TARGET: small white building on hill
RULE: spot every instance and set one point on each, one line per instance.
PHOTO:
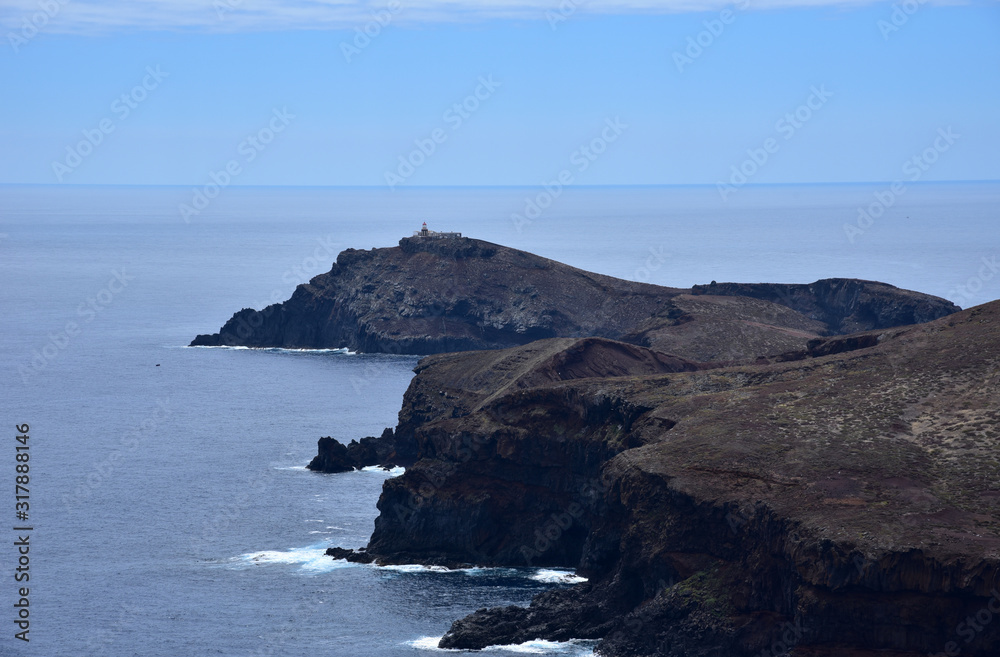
(430, 234)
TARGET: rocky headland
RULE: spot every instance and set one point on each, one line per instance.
(739, 470)
(429, 296)
(840, 501)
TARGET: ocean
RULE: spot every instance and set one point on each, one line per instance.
(170, 510)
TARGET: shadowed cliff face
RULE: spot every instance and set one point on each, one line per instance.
(844, 305)
(441, 295)
(836, 504)
(498, 438)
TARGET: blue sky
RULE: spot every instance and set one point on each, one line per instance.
(335, 111)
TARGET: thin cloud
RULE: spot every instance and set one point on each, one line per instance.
(92, 16)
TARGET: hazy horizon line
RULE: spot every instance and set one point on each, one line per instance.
(508, 186)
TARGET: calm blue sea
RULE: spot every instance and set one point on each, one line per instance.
(171, 511)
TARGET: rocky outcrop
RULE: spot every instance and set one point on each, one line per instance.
(845, 305)
(354, 556)
(429, 296)
(439, 295)
(463, 410)
(842, 503)
(333, 456)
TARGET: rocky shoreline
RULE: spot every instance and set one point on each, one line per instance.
(843, 504)
(740, 470)
(460, 294)
(332, 457)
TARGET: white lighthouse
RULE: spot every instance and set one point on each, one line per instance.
(430, 234)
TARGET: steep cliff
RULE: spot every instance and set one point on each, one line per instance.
(844, 305)
(429, 296)
(461, 410)
(841, 502)
(439, 295)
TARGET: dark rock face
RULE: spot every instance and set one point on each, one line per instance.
(558, 615)
(550, 457)
(334, 457)
(845, 305)
(354, 556)
(434, 296)
(843, 503)
(739, 469)
(445, 295)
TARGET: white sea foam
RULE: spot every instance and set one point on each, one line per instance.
(541, 647)
(479, 570)
(557, 577)
(536, 647)
(425, 643)
(312, 558)
(395, 472)
(418, 568)
(546, 576)
(343, 351)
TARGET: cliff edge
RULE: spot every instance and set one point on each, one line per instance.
(430, 296)
(844, 502)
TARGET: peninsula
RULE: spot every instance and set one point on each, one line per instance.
(842, 502)
(738, 469)
(442, 294)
